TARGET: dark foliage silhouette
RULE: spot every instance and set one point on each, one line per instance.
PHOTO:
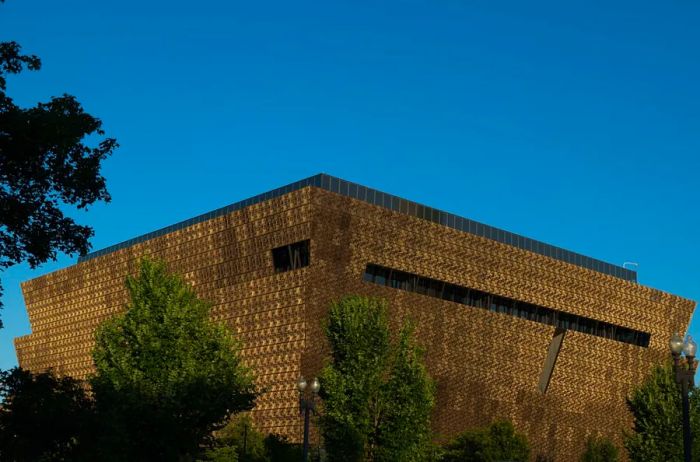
(45, 164)
(44, 418)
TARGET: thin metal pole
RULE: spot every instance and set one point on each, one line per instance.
(306, 432)
(687, 443)
(245, 439)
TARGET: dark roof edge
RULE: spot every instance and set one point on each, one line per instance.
(389, 201)
(311, 181)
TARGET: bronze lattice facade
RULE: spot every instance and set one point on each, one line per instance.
(555, 346)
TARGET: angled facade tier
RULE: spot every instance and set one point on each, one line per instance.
(512, 327)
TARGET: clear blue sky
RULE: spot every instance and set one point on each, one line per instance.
(575, 123)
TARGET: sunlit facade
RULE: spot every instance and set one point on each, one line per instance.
(512, 327)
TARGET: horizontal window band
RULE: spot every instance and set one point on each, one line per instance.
(410, 282)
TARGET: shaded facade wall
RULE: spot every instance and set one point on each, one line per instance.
(487, 365)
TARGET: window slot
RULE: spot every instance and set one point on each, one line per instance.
(292, 256)
(466, 296)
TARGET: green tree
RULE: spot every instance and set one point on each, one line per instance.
(166, 376)
(43, 418)
(239, 442)
(657, 434)
(599, 449)
(279, 449)
(44, 166)
(498, 442)
(377, 395)
(240, 434)
(220, 454)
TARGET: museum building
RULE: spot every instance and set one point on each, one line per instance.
(512, 327)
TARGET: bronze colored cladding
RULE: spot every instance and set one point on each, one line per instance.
(487, 365)
(228, 261)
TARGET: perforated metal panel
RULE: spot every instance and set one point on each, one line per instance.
(487, 364)
(397, 204)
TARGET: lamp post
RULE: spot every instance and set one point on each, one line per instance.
(307, 404)
(684, 371)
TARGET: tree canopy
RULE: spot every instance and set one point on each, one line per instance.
(166, 376)
(240, 433)
(44, 418)
(377, 395)
(240, 441)
(656, 409)
(45, 164)
(498, 442)
(600, 449)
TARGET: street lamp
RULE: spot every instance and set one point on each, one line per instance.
(684, 370)
(307, 404)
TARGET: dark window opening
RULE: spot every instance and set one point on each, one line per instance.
(526, 311)
(400, 280)
(643, 338)
(294, 256)
(454, 293)
(422, 286)
(607, 330)
(382, 276)
(627, 335)
(587, 326)
(568, 321)
(501, 305)
(466, 296)
(477, 298)
(546, 316)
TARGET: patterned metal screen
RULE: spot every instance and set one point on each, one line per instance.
(372, 196)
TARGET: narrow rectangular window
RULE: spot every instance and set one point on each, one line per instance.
(448, 292)
(546, 316)
(466, 296)
(567, 321)
(460, 295)
(422, 286)
(478, 299)
(501, 304)
(606, 330)
(643, 339)
(626, 335)
(587, 326)
(526, 311)
(291, 256)
(399, 280)
(369, 273)
(381, 277)
(435, 288)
